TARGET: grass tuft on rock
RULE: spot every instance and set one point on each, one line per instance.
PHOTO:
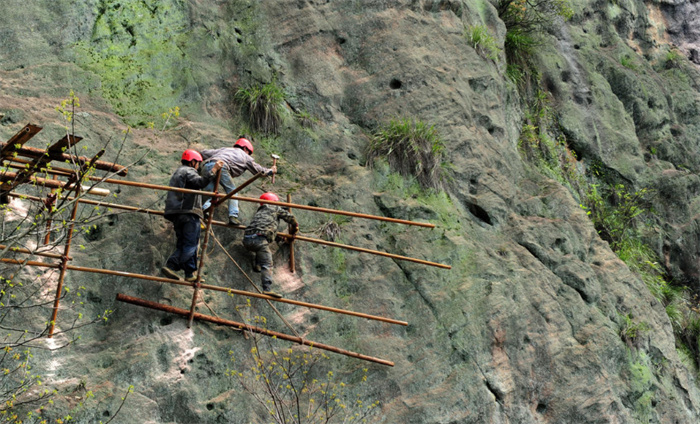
(412, 148)
(263, 104)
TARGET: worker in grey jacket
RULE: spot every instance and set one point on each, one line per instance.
(237, 160)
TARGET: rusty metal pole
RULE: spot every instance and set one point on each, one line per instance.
(203, 286)
(221, 200)
(198, 283)
(29, 252)
(364, 250)
(291, 241)
(49, 203)
(242, 326)
(64, 264)
(335, 211)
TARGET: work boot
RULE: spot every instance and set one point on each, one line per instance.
(233, 220)
(169, 273)
(192, 278)
(270, 293)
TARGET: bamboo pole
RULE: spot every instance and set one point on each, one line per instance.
(33, 152)
(22, 136)
(206, 287)
(245, 327)
(240, 227)
(198, 282)
(364, 250)
(291, 242)
(27, 262)
(29, 252)
(64, 265)
(9, 176)
(66, 172)
(335, 211)
(283, 204)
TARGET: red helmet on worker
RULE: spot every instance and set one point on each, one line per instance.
(244, 143)
(270, 196)
(189, 155)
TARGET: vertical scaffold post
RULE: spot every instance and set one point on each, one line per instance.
(64, 264)
(49, 204)
(198, 282)
(291, 241)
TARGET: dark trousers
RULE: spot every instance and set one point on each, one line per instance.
(185, 255)
(263, 257)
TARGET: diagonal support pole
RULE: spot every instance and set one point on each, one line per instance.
(198, 283)
(217, 202)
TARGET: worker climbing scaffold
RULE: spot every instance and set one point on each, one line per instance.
(184, 210)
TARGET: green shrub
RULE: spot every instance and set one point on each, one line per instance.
(616, 211)
(483, 42)
(532, 15)
(628, 62)
(630, 331)
(264, 105)
(412, 148)
(673, 59)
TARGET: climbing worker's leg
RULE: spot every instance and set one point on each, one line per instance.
(190, 243)
(227, 183)
(263, 257)
(206, 168)
(173, 263)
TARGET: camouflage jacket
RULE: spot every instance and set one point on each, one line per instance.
(266, 219)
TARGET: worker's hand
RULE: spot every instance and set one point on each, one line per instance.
(294, 229)
(218, 165)
(274, 169)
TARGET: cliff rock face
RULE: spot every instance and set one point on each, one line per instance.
(525, 327)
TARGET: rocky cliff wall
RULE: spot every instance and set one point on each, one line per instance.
(526, 325)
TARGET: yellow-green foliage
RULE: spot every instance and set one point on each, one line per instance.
(482, 41)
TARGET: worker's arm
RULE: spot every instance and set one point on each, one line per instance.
(289, 219)
(196, 181)
(255, 168)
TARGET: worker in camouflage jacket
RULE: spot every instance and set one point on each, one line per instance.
(261, 231)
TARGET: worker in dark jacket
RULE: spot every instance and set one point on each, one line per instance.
(237, 160)
(184, 210)
(261, 232)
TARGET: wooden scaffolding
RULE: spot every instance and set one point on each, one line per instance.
(71, 181)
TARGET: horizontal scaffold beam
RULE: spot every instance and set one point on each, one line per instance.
(255, 200)
(245, 327)
(32, 252)
(33, 152)
(241, 227)
(203, 286)
(8, 177)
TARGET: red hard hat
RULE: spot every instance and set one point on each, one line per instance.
(245, 143)
(270, 196)
(190, 154)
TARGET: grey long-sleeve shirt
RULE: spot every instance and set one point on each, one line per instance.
(236, 161)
